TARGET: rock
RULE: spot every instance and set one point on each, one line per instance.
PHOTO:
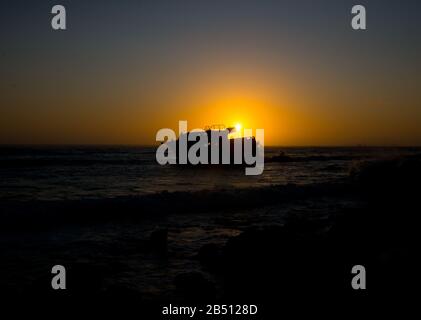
(281, 157)
(284, 259)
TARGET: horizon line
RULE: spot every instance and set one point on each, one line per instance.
(155, 145)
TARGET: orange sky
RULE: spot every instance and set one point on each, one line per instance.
(293, 75)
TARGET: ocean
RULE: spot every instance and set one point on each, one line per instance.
(124, 226)
(98, 172)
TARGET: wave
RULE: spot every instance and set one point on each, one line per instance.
(44, 214)
(397, 179)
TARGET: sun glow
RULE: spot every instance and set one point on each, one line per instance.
(236, 131)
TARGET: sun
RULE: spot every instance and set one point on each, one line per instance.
(235, 131)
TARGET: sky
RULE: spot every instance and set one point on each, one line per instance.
(125, 69)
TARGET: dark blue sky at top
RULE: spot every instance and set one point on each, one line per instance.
(118, 26)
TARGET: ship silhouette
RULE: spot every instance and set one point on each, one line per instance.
(226, 136)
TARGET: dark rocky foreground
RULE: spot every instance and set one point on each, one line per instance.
(306, 256)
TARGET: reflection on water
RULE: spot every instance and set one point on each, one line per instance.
(98, 172)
